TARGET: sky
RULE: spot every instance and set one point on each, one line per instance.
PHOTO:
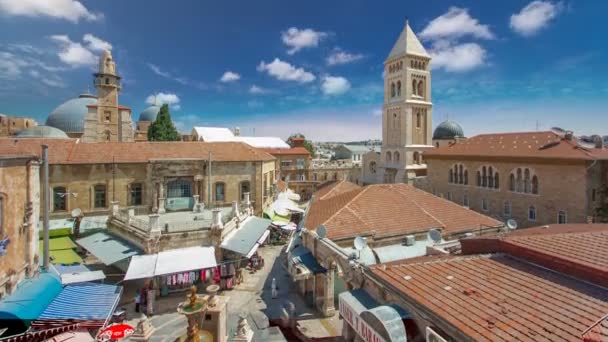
(276, 67)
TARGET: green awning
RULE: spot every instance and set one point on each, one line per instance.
(65, 257)
(59, 243)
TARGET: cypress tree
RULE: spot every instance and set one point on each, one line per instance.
(162, 129)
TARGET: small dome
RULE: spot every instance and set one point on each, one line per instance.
(448, 130)
(69, 116)
(47, 132)
(150, 113)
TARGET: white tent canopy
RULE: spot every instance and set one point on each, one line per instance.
(171, 261)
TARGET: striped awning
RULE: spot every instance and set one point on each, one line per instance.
(89, 304)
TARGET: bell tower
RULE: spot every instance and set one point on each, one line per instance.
(407, 109)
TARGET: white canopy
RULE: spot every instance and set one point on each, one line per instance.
(81, 277)
(171, 261)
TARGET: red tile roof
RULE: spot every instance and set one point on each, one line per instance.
(286, 151)
(498, 297)
(70, 151)
(520, 144)
(578, 250)
(391, 209)
(335, 188)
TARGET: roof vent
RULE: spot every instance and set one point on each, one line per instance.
(569, 135)
(598, 141)
(409, 240)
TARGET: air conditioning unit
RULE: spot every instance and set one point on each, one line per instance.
(432, 336)
(409, 240)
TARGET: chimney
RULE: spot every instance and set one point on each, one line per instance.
(569, 135)
(297, 142)
(216, 222)
(599, 142)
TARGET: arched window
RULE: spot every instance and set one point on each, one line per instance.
(136, 193)
(520, 187)
(396, 156)
(496, 186)
(562, 217)
(535, 185)
(490, 177)
(392, 89)
(107, 80)
(484, 177)
(400, 65)
(532, 213)
(395, 125)
(325, 176)
(420, 88)
(414, 87)
(372, 167)
(451, 176)
(60, 198)
(527, 184)
(466, 177)
(220, 192)
(388, 156)
(245, 187)
(99, 196)
(418, 120)
(398, 88)
(478, 178)
(335, 176)
(416, 160)
(512, 182)
(108, 135)
(460, 175)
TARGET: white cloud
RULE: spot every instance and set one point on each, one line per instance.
(10, 66)
(286, 72)
(456, 23)
(181, 80)
(95, 43)
(339, 56)
(164, 98)
(334, 85)
(534, 17)
(157, 71)
(298, 39)
(377, 112)
(257, 90)
(70, 10)
(458, 58)
(230, 76)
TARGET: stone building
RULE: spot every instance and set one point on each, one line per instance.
(19, 209)
(146, 118)
(407, 111)
(11, 125)
(150, 176)
(353, 153)
(294, 163)
(534, 178)
(96, 118)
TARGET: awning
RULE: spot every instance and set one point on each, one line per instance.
(28, 300)
(82, 277)
(72, 336)
(58, 243)
(171, 261)
(245, 240)
(107, 248)
(61, 251)
(89, 304)
(399, 252)
(302, 264)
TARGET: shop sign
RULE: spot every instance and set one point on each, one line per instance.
(362, 328)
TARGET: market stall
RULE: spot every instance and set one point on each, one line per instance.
(241, 247)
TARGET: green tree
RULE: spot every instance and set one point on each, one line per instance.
(307, 143)
(162, 129)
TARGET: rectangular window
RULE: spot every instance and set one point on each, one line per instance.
(562, 217)
(60, 197)
(300, 163)
(136, 194)
(449, 196)
(99, 196)
(465, 200)
(286, 163)
(593, 195)
(506, 209)
(108, 115)
(532, 214)
(220, 192)
(484, 205)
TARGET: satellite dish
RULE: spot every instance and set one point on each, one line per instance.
(322, 231)
(435, 235)
(360, 243)
(76, 213)
(558, 131)
(511, 224)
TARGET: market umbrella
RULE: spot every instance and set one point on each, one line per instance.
(115, 332)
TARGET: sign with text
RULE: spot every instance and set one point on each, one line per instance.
(361, 327)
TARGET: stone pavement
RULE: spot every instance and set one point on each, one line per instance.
(253, 298)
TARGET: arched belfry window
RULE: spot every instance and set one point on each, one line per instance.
(523, 180)
(414, 87)
(389, 157)
(392, 89)
(420, 89)
(398, 88)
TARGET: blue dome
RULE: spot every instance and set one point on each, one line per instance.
(42, 132)
(150, 113)
(69, 117)
(448, 130)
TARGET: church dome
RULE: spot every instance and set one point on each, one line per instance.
(150, 113)
(69, 116)
(46, 132)
(448, 130)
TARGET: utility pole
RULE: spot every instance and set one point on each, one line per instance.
(45, 211)
(113, 179)
(209, 181)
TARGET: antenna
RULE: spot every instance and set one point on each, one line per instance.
(434, 235)
(360, 243)
(322, 231)
(511, 224)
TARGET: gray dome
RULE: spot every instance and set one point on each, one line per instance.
(47, 132)
(69, 116)
(448, 130)
(150, 113)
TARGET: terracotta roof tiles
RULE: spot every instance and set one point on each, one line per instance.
(287, 151)
(335, 188)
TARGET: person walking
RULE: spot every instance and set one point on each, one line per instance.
(137, 300)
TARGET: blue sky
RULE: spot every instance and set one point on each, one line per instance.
(313, 66)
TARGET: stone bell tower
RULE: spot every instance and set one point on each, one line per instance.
(107, 120)
(407, 110)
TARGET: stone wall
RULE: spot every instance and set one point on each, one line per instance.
(20, 201)
(562, 187)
